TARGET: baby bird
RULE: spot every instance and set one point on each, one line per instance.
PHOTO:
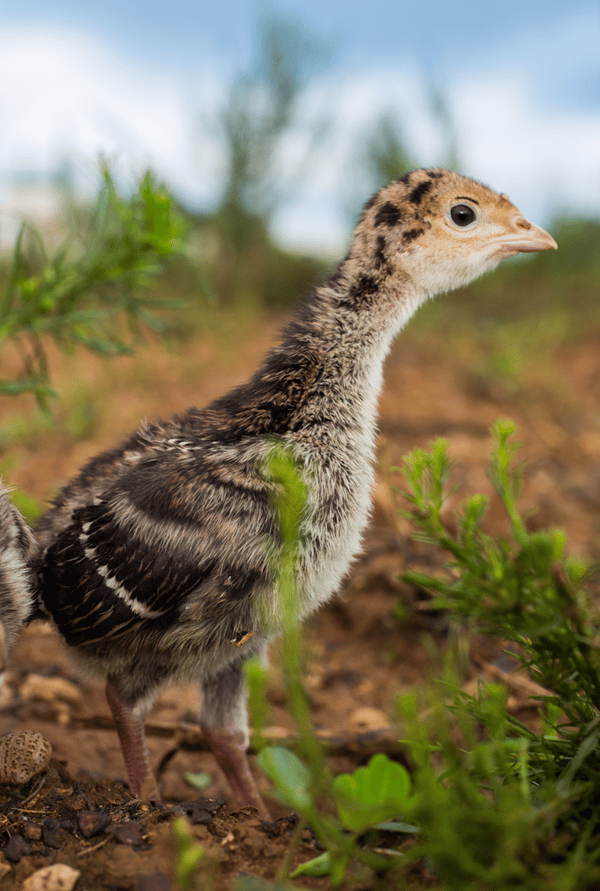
(154, 567)
(17, 549)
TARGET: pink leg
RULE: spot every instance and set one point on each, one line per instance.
(229, 749)
(130, 728)
(224, 724)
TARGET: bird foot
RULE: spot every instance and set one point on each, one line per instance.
(229, 750)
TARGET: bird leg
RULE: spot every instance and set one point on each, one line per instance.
(229, 748)
(129, 720)
(224, 723)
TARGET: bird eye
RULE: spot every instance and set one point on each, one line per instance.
(462, 214)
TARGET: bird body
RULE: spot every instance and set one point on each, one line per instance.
(161, 565)
(154, 560)
(17, 549)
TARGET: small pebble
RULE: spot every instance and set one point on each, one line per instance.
(201, 810)
(369, 718)
(129, 833)
(50, 829)
(92, 823)
(32, 831)
(199, 816)
(58, 877)
(16, 848)
(36, 686)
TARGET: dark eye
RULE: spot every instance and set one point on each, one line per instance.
(462, 214)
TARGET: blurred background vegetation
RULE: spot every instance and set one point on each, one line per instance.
(130, 262)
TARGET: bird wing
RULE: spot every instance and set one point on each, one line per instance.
(183, 528)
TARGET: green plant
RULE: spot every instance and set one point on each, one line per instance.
(338, 810)
(79, 294)
(198, 780)
(507, 806)
(189, 855)
(257, 677)
(372, 794)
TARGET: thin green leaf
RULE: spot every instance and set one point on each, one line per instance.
(198, 780)
(318, 866)
(290, 776)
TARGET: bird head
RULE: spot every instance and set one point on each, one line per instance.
(442, 230)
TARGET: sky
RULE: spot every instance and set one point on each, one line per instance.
(144, 84)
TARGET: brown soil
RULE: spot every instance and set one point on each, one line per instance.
(359, 656)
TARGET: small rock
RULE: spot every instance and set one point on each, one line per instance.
(129, 833)
(274, 732)
(6, 696)
(78, 803)
(32, 831)
(200, 810)
(369, 718)
(50, 829)
(58, 877)
(35, 686)
(22, 755)
(199, 816)
(92, 823)
(16, 848)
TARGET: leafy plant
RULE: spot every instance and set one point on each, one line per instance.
(78, 294)
(363, 800)
(256, 677)
(338, 810)
(493, 803)
(259, 114)
(197, 780)
(510, 806)
(372, 794)
(190, 854)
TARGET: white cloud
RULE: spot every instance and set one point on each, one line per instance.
(548, 160)
(70, 96)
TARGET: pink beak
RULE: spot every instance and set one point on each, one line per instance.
(526, 241)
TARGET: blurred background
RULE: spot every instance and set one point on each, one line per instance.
(270, 125)
(299, 110)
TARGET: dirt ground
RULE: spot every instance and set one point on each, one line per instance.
(359, 656)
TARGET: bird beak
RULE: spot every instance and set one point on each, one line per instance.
(526, 241)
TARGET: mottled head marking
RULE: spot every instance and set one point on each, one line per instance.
(410, 235)
(418, 193)
(388, 215)
(380, 251)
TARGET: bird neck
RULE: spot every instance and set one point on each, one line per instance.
(327, 366)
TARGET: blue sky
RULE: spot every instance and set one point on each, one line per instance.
(144, 83)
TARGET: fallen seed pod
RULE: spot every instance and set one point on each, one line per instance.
(22, 755)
